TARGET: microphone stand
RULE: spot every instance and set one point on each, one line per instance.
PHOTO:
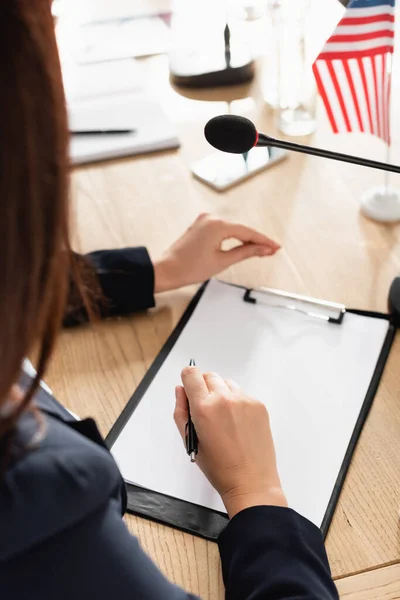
(227, 39)
(382, 203)
(264, 140)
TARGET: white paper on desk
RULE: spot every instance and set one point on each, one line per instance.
(153, 130)
(107, 10)
(313, 376)
(109, 41)
(101, 79)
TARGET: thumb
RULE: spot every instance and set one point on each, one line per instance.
(181, 413)
(247, 251)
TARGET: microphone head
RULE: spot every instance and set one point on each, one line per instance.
(231, 133)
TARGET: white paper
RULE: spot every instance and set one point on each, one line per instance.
(152, 129)
(128, 38)
(106, 10)
(101, 79)
(313, 377)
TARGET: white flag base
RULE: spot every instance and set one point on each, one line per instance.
(382, 204)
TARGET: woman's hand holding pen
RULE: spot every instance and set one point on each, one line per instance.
(198, 255)
(236, 449)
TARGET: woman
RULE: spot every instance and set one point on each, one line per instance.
(61, 495)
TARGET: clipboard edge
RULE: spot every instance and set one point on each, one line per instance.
(182, 515)
(362, 417)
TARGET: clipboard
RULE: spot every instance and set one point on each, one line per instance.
(200, 520)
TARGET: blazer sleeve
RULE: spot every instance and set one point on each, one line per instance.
(273, 553)
(97, 558)
(117, 282)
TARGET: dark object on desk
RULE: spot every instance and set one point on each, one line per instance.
(231, 133)
(186, 70)
(103, 132)
(205, 68)
(394, 301)
(192, 442)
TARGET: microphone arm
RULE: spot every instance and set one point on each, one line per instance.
(264, 140)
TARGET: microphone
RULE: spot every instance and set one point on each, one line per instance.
(238, 135)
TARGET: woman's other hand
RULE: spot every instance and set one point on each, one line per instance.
(197, 255)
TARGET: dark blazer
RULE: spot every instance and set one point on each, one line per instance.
(62, 497)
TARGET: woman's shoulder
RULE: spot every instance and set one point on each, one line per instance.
(51, 486)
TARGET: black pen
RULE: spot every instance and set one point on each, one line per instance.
(192, 442)
(103, 132)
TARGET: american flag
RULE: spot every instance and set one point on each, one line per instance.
(353, 71)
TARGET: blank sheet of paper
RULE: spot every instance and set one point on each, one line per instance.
(125, 38)
(313, 377)
(101, 79)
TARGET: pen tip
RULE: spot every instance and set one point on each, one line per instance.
(192, 363)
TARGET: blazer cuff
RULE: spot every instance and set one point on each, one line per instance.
(277, 542)
(118, 282)
(126, 278)
(267, 522)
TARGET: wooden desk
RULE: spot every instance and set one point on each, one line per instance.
(329, 250)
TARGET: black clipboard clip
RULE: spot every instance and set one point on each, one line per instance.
(330, 312)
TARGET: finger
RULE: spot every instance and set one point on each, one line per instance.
(215, 383)
(249, 235)
(245, 251)
(181, 413)
(194, 384)
(233, 385)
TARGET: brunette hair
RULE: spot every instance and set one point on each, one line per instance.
(35, 256)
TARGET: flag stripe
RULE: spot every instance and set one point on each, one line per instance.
(361, 99)
(371, 91)
(365, 20)
(339, 94)
(353, 93)
(365, 86)
(372, 11)
(345, 90)
(355, 38)
(356, 53)
(358, 29)
(377, 42)
(324, 97)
